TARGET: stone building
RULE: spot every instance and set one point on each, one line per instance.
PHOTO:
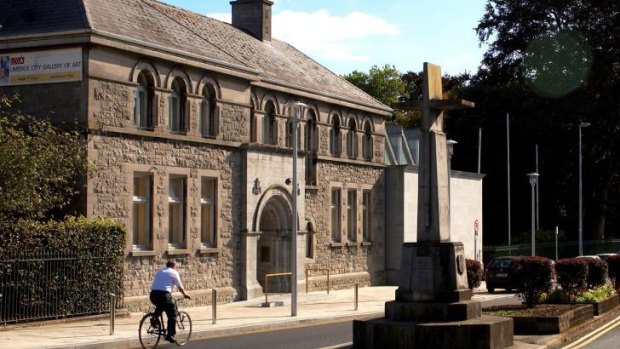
(188, 126)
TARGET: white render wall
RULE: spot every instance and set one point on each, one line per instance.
(401, 213)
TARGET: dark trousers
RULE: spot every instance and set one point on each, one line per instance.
(163, 301)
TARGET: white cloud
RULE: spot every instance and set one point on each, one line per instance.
(324, 36)
(222, 16)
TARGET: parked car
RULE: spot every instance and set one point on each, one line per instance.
(604, 256)
(590, 256)
(498, 274)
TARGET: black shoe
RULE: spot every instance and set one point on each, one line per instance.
(171, 339)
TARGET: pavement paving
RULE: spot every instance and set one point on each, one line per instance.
(314, 308)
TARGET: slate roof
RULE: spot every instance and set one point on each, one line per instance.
(159, 24)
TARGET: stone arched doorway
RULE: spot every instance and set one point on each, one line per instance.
(274, 244)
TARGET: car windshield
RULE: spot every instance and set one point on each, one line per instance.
(500, 263)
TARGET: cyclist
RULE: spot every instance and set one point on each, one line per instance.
(164, 283)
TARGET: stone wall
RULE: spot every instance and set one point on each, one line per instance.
(116, 157)
(347, 258)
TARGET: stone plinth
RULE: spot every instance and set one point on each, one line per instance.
(433, 272)
(418, 311)
(433, 306)
(485, 332)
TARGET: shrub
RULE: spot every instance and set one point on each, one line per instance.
(596, 295)
(597, 271)
(613, 265)
(474, 273)
(533, 277)
(62, 268)
(572, 276)
(40, 165)
(555, 297)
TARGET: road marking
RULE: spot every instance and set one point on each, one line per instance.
(592, 336)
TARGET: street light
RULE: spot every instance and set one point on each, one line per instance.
(580, 126)
(533, 180)
(298, 106)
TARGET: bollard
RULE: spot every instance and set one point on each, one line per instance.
(356, 295)
(214, 306)
(112, 312)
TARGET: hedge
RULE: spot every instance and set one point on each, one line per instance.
(572, 276)
(533, 277)
(474, 273)
(32, 281)
(597, 272)
(613, 264)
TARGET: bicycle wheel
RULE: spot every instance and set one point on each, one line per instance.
(150, 331)
(184, 328)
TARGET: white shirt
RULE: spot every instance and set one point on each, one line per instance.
(166, 279)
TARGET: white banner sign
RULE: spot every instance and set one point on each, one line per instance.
(40, 67)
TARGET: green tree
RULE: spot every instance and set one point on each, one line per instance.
(384, 84)
(388, 86)
(40, 165)
(550, 64)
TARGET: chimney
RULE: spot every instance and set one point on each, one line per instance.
(254, 17)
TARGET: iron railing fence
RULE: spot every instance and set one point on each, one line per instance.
(41, 285)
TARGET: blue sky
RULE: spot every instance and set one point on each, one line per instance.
(348, 35)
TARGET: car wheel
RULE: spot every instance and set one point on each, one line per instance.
(491, 289)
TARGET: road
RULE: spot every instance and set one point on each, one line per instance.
(298, 338)
(608, 339)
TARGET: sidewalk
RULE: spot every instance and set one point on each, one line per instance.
(237, 318)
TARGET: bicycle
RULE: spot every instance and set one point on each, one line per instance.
(152, 328)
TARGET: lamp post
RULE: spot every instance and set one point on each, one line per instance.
(580, 126)
(533, 180)
(298, 106)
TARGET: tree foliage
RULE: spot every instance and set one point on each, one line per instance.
(383, 83)
(40, 165)
(550, 65)
(388, 86)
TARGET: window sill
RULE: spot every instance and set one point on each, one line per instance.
(143, 253)
(351, 244)
(336, 244)
(209, 250)
(366, 243)
(177, 251)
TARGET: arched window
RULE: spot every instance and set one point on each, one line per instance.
(269, 124)
(309, 241)
(253, 123)
(145, 105)
(208, 113)
(311, 132)
(179, 111)
(335, 137)
(289, 129)
(367, 142)
(311, 146)
(352, 139)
